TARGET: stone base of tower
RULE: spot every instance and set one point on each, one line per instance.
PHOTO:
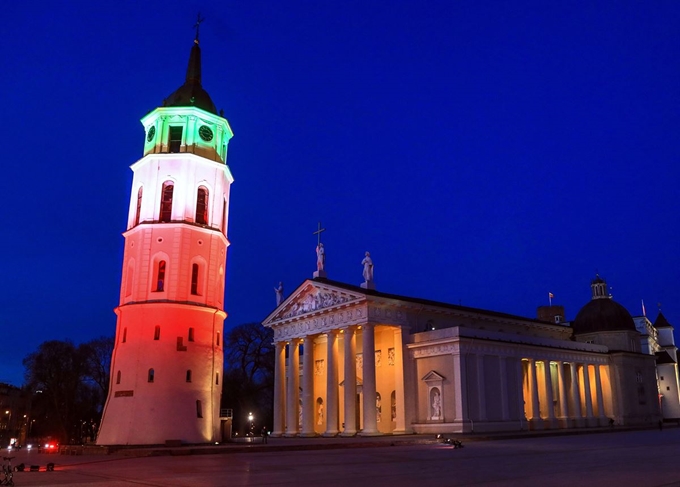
(165, 386)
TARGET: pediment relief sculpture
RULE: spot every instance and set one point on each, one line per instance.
(314, 299)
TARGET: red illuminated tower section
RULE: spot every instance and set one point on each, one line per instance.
(167, 362)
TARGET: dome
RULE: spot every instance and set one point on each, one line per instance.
(602, 315)
(191, 95)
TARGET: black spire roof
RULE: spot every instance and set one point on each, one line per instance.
(191, 93)
(661, 322)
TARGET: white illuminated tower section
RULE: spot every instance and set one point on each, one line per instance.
(166, 371)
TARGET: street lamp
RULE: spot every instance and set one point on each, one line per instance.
(8, 413)
(251, 418)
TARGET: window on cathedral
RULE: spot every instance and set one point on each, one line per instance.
(139, 206)
(202, 206)
(191, 334)
(150, 376)
(218, 339)
(188, 375)
(199, 409)
(118, 377)
(166, 202)
(124, 335)
(157, 333)
(662, 377)
(194, 279)
(160, 276)
(217, 379)
(175, 139)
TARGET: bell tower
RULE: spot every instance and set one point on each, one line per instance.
(167, 361)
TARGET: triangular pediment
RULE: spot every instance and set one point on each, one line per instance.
(312, 297)
(433, 376)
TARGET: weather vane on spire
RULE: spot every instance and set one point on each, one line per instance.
(197, 25)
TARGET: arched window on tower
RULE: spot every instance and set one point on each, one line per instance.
(199, 409)
(224, 217)
(124, 335)
(218, 338)
(160, 276)
(194, 279)
(188, 375)
(191, 334)
(128, 278)
(118, 377)
(166, 202)
(202, 206)
(217, 379)
(139, 205)
(157, 333)
(150, 376)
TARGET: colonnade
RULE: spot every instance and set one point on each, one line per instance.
(291, 420)
(579, 397)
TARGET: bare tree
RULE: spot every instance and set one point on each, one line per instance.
(249, 372)
(69, 385)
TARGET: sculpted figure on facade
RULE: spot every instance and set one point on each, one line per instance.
(314, 302)
(436, 404)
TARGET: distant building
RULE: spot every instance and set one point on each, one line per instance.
(14, 415)
(167, 361)
(657, 339)
(351, 360)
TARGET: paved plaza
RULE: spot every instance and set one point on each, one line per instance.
(635, 458)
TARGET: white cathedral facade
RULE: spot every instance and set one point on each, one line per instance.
(352, 360)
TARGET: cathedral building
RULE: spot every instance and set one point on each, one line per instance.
(167, 361)
(353, 360)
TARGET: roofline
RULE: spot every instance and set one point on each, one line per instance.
(422, 302)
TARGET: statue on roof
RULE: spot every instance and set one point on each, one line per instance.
(368, 267)
(279, 293)
(320, 257)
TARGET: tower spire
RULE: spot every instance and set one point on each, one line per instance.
(197, 26)
(194, 67)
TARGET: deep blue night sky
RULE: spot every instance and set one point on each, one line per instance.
(485, 153)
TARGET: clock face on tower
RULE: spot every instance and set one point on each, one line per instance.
(205, 133)
(150, 134)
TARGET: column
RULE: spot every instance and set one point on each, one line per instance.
(549, 397)
(369, 386)
(279, 389)
(293, 396)
(533, 381)
(519, 385)
(564, 411)
(598, 392)
(400, 398)
(460, 399)
(586, 393)
(503, 373)
(576, 394)
(332, 384)
(350, 382)
(308, 388)
(481, 388)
